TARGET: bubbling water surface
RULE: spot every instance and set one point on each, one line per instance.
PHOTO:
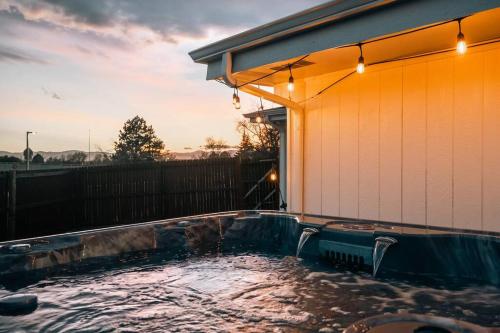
(237, 293)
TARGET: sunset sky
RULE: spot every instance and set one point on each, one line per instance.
(70, 66)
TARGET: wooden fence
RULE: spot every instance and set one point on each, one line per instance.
(45, 202)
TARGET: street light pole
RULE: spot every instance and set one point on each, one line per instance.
(28, 150)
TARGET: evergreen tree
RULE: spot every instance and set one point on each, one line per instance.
(245, 148)
(137, 141)
(38, 159)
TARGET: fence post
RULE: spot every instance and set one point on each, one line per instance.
(11, 220)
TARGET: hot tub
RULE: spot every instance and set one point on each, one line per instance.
(237, 271)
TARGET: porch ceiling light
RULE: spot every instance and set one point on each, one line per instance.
(361, 61)
(461, 44)
(291, 85)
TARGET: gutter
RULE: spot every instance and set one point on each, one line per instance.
(245, 40)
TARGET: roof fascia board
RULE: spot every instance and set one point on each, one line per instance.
(306, 19)
(391, 19)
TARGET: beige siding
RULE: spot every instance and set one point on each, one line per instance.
(390, 144)
(414, 142)
(313, 154)
(467, 148)
(414, 139)
(330, 147)
(491, 145)
(368, 188)
(349, 107)
(440, 143)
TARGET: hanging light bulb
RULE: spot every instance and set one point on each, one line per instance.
(235, 97)
(237, 104)
(273, 176)
(361, 61)
(461, 44)
(258, 119)
(291, 85)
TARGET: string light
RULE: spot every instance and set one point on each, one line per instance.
(236, 99)
(274, 175)
(461, 48)
(281, 68)
(361, 61)
(291, 85)
(461, 44)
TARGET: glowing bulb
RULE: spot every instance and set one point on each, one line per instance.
(291, 86)
(273, 177)
(361, 65)
(237, 104)
(258, 119)
(461, 44)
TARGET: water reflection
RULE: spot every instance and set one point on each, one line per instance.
(247, 293)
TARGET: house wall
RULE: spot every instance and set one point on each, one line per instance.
(416, 142)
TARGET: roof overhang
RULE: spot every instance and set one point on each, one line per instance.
(329, 26)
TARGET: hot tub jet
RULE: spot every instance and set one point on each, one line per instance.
(306, 233)
(381, 245)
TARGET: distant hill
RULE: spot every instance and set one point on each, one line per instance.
(47, 154)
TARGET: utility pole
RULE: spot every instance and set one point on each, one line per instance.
(28, 150)
(88, 157)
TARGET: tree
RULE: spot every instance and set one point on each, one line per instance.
(258, 140)
(25, 154)
(138, 142)
(101, 158)
(11, 159)
(214, 148)
(38, 159)
(76, 158)
(245, 148)
(56, 160)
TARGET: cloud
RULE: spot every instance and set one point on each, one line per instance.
(8, 55)
(168, 20)
(52, 94)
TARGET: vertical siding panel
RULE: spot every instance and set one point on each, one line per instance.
(295, 143)
(390, 144)
(330, 151)
(295, 165)
(467, 191)
(290, 151)
(349, 148)
(369, 146)
(491, 136)
(414, 147)
(439, 142)
(312, 152)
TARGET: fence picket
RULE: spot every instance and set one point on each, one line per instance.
(90, 197)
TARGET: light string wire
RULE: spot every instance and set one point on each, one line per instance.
(289, 65)
(493, 41)
(280, 69)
